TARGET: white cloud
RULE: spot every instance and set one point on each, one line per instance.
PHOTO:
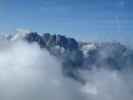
(30, 73)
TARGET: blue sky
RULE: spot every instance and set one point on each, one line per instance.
(110, 20)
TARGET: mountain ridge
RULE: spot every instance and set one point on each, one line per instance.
(76, 56)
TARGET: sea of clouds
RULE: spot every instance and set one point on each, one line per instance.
(28, 72)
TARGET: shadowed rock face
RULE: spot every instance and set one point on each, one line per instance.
(34, 37)
(77, 56)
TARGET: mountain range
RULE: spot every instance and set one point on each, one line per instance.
(76, 56)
